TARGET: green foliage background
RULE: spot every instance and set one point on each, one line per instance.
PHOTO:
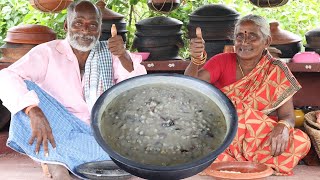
(297, 16)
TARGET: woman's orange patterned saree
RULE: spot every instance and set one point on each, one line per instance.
(255, 96)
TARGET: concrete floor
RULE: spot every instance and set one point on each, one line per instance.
(14, 166)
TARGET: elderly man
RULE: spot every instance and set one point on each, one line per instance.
(51, 90)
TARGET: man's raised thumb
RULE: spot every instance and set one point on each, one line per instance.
(198, 32)
(113, 30)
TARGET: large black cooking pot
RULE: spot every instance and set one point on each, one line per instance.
(313, 37)
(220, 30)
(157, 41)
(288, 50)
(157, 172)
(161, 52)
(159, 26)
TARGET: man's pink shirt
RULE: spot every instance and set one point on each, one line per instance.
(54, 67)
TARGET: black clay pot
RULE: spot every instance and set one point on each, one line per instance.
(215, 10)
(159, 26)
(107, 26)
(220, 30)
(161, 53)
(159, 172)
(215, 47)
(149, 41)
(315, 49)
(313, 38)
(288, 50)
(106, 35)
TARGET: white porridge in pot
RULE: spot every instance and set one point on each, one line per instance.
(161, 125)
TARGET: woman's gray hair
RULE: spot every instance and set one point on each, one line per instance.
(71, 11)
(258, 20)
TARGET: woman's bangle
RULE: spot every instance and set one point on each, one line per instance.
(28, 109)
(286, 124)
(201, 60)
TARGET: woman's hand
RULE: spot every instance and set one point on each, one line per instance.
(278, 139)
(197, 45)
(41, 130)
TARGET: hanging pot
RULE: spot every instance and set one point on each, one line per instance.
(50, 5)
(268, 3)
(163, 5)
(30, 34)
(120, 94)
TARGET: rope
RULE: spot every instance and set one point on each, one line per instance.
(40, 7)
(160, 10)
(269, 4)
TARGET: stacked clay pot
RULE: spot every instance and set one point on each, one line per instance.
(217, 23)
(110, 17)
(313, 40)
(161, 36)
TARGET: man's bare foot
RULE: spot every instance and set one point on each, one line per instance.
(59, 172)
(45, 170)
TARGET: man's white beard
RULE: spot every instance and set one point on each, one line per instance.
(74, 43)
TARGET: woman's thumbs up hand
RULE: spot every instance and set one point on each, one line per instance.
(197, 45)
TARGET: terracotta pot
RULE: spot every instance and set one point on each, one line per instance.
(163, 5)
(268, 3)
(12, 52)
(50, 5)
(240, 170)
(108, 14)
(280, 36)
(30, 34)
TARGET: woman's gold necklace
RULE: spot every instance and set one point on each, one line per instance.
(240, 68)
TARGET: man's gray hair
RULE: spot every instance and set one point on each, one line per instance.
(71, 11)
(258, 20)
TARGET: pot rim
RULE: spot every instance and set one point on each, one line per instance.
(144, 79)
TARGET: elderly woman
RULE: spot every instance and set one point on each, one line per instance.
(258, 85)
